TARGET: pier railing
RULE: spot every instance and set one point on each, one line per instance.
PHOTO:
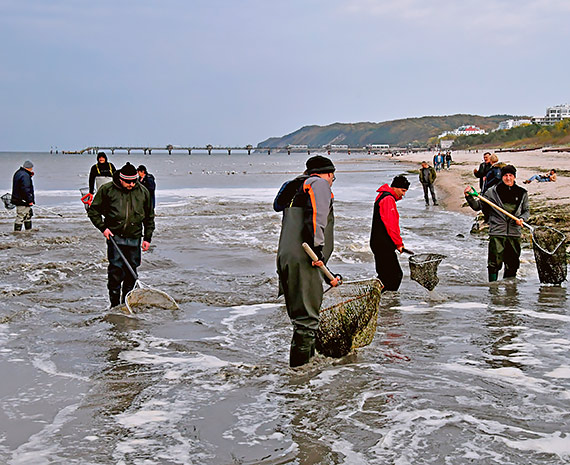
(147, 150)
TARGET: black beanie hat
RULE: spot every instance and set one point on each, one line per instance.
(102, 154)
(400, 182)
(319, 164)
(128, 172)
(509, 169)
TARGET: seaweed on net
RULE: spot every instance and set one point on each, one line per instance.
(147, 298)
(348, 317)
(550, 254)
(423, 269)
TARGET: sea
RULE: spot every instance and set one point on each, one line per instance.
(469, 373)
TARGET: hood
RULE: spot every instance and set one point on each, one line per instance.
(387, 188)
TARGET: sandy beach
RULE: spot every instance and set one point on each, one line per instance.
(550, 201)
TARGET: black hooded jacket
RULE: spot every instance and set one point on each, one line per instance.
(106, 169)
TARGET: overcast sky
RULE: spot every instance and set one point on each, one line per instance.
(75, 73)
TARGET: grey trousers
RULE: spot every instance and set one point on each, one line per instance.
(23, 214)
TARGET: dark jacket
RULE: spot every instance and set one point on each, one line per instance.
(149, 182)
(499, 223)
(431, 175)
(482, 171)
(493, 176)
(22, 188)
(385, 233)
(106, 169)
(124, 212)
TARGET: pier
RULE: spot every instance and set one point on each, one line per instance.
(147, 150)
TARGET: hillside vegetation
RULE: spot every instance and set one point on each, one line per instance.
(529, 135)
(412, 132)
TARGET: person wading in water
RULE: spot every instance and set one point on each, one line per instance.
(307, 205)
(385, 236)
(123, 209)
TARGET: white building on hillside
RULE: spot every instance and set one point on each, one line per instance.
(467, 130)
(554, 114)
(513, 123)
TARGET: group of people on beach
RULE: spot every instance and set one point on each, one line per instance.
(122, 205)
(441, 160)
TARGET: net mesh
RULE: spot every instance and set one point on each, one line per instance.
(7, 199)
(348, 317)
(423, 269)
(146, 298)
(550, 254)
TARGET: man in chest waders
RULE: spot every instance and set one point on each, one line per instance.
(504, 232)
(385, 236)
(307, 205)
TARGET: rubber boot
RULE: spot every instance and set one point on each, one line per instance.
(509, 273)
(115, 298)
(17, 227)
(492, 276)
(28, 225)
(302, 347)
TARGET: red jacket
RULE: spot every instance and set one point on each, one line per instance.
(389, 214)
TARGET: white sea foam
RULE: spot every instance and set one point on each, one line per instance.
(544, 315)
(199, 361)
(40, 449)
(562, 372)
(44, 364)
(556, 443)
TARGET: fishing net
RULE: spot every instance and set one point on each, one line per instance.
(7, 199)
(348, 317)
(550, 255)
(423, 269)
(143, 298)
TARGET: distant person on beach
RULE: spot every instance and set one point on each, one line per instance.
(427, 178)
(148, 181)
(549, 177)
(101, 172)
(23, 195)
(494, 174)
(385, 236)
(504, 233)
(123, 209)
(448, 158)
(483, 169)
(438, 161)
(307, 206)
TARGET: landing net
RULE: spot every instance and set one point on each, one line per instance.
(7, 199)
(550, 254)
(423, 269)
(145, 298)
(348, 317)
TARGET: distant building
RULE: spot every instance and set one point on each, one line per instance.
(467, 130)
(553, 114)
(445, 144)
(297, 146)
(378, 146)
(512, 123)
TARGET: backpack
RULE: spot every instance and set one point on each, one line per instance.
(287, 193)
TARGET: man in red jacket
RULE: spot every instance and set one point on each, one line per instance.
(385, 236)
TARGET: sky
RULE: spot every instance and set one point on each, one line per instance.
(76, 73)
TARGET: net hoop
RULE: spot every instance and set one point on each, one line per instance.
(549, 254)
(348, 317)
(423, 269)
(143, 296)
(7, 199)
